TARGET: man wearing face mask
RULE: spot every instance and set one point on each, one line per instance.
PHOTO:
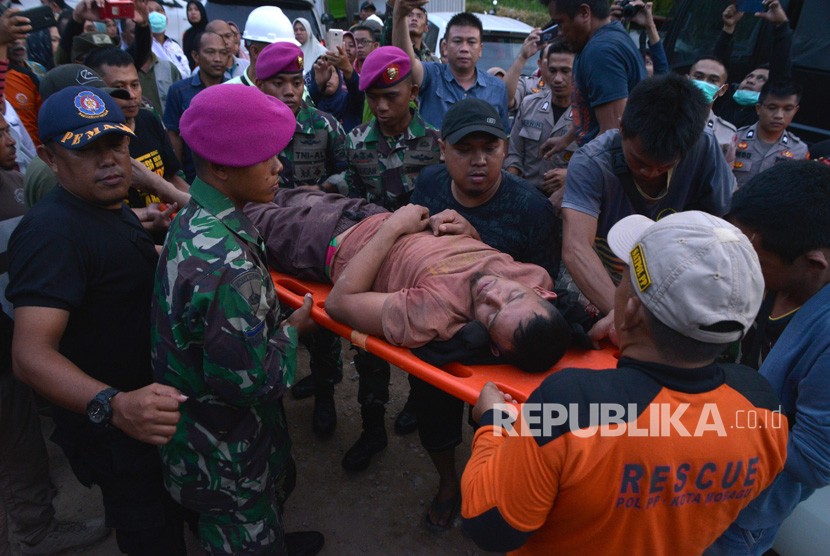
(163, 46)
(709, 75)
(737, 104)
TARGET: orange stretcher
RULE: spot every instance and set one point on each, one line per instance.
(462, 381)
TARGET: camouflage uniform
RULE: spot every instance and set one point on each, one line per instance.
(216, 337)
(384, 173)
(316, 155)
(424, 54)
(317, 152)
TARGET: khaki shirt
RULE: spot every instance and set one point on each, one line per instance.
(533, 126)
(751, 160)
(726, 134)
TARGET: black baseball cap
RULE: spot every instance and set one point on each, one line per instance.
(469, 116)
(368, 6)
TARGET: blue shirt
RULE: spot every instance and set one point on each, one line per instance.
(440, 90)
(606, 70)
(179, 97)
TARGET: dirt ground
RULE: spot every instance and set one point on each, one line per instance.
(378, 511)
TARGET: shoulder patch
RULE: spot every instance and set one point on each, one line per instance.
(249, 286)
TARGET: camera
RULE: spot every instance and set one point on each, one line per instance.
(628, 10)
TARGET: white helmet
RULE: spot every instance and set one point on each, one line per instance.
(269, 24)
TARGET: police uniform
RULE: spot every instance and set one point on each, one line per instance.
(533, 126)
(750, 158)
(383, 169)
(725, 133)
(524, 88)
(216, 336)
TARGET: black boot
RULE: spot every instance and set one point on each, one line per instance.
(304, 543)
(324, 418)
(372, 440)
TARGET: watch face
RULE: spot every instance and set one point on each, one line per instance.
(96, 412)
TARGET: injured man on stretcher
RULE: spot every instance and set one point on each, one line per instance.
(411, 279)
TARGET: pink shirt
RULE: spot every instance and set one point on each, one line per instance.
(430, 279)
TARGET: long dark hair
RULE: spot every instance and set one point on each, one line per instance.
(188, 44)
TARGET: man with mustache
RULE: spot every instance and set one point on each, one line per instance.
(80, 279)
(156, 170)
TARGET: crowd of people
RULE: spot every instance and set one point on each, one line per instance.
(148, 183)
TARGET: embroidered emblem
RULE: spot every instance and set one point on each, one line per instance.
(90, 105)
(742, 145)
(299, 62)
(638, 264)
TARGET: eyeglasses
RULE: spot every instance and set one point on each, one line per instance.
(364, 42)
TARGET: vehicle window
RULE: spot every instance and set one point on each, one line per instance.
(811, 40)
(502, 51)
(699, 28)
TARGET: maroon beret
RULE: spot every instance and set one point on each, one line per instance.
(384, 67)
(236, 125)
(279, 57)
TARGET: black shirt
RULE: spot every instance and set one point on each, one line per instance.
(151, 146)
(98, 265)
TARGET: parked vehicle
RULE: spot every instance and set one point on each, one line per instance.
(694, 28)
(238, 10)
(503, 38)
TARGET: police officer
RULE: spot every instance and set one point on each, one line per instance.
(217, 334)
(543, 115)
(709, 75)
(768, 142)
(315, 156)
(385, 156)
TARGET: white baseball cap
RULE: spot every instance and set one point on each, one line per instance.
(695, 272)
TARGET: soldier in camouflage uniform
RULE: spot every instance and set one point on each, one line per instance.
(385, 155)
(216, 331)
(384, 158)
(316, 157)
(418, 23)
(316, 154)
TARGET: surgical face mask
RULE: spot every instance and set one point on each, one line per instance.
(158, 22)
(746, 98)
(709, 90)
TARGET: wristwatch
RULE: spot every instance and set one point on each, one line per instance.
(99, 410)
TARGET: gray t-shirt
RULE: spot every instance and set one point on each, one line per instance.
(702, 180)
